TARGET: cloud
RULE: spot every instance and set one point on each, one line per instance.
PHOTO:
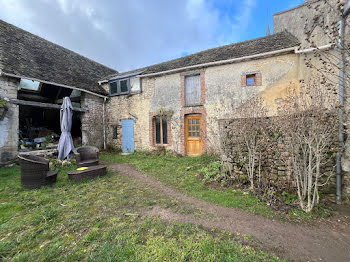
(130, 34)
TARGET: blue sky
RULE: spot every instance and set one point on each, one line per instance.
(127, 34)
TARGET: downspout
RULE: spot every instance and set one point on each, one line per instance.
(340, 113)
(104, 123)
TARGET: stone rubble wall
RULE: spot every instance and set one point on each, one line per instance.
(9, 120)
(92, 121)
(274, 168)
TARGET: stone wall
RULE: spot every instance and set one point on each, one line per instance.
(92, 121)
(136, 107)
(9, 121)
(275, 166)
(225, 92)
(294, 19)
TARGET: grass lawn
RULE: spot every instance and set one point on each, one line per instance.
(182, 173)
(101, 219)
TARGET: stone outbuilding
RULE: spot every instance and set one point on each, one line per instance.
(35, 75)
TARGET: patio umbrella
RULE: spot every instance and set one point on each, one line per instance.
(65, 145)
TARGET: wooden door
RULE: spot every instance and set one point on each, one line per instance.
(194, 143)
(128, 136)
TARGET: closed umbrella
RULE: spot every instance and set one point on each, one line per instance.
(65, 145)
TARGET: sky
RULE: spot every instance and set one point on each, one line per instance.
(129, 34)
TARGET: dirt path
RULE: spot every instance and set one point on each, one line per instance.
(321, 242)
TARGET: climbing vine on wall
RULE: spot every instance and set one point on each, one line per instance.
(161, 111)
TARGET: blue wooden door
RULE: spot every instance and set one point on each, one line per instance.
(128, 136)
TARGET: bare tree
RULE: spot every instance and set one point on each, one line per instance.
(308, 127)
(327, 25)
(324, 26)
(249, 135)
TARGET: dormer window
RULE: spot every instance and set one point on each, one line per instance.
(125, 86)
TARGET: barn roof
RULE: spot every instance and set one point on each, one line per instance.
(28, 55)
(275, 42)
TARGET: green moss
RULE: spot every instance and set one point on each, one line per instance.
(3, 103)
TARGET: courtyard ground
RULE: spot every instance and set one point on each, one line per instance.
(107, 219)
(155, 210)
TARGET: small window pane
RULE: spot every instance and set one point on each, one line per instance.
(157, 130)
(29, 85)
(198, 134)
(165, 130)
(193, 133)
(135, 85)
(113, 88)
(250, 80)
(124, 86)
(197, 122)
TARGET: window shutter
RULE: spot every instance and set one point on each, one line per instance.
(193, 90)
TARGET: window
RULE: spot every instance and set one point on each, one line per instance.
(125, 86)
(160, 130)
(194, 127)
(115, 132)
(29, 85)
(135, 85)
(250, 80)
(193, 90)
(113, 88)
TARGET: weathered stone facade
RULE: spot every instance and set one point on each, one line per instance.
(221, 93)
(92, 124)
(295, 19)
(9, 120)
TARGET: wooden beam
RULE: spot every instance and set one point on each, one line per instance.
(33, 97)
(44, 105)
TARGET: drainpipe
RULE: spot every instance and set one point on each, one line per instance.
(104, 124)
(340, 112)
(341, 101)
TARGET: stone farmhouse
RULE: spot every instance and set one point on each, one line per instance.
(175, 104)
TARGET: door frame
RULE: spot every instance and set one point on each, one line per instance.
(200, 110)
(124, 140)
(201, 141)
